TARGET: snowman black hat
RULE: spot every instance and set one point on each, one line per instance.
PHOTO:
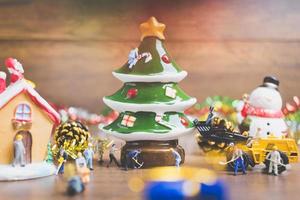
(270, 82)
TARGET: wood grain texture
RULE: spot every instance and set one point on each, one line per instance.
(69, 48)
(112, 184)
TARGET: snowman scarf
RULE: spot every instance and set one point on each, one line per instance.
(260, 112)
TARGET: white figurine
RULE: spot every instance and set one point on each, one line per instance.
(275, 160)
(263, 109)
(89, 155)
(80, 161)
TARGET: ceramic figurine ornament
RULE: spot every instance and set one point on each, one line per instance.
(27, 119)
(150, 103)
(263, 109)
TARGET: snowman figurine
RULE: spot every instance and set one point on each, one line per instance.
(263, 109)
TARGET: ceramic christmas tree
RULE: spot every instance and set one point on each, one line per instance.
(263, 110)
(150, 103)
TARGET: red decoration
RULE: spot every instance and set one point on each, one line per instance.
(184, 121)
(131, 93)
(290, 108)
(15, 69)
(260, 112)
(10, 63)
(166, 59)
(2, 82)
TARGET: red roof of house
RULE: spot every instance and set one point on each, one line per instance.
(22, 86)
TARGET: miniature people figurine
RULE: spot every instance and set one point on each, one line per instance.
(132, 159)
(81, 166)
(210, 116)
(275, 160)
(112, 157)
(102, 146)
(19, 152)
(177, 157)
(63, 156)
(237, 158)
(80, 161)
(89, 155)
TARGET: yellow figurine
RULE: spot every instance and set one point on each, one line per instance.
(102, 145)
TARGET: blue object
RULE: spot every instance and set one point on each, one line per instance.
(166, 190)
(62, 168)
(133, 153)
(237, 163)
(75, 186)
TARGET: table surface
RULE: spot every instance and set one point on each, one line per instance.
(111, 183)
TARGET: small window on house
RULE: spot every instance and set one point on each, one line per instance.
(23, 112)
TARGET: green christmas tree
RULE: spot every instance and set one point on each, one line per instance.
(150, 103)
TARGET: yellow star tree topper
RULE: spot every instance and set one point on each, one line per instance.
(152, 28)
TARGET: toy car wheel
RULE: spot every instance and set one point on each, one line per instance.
(251, 161)
(231, 165)
(281, 168)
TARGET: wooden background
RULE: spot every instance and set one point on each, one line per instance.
(70, 47)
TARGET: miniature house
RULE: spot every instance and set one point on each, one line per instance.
(23, 111)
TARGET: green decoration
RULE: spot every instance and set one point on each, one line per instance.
(49, 157)
(150, 103)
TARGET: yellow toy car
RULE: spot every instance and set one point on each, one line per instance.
(256, 150)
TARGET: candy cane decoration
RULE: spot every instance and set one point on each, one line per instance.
(134, 57)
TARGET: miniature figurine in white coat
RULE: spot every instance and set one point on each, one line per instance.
(275, 160)
(80, 161)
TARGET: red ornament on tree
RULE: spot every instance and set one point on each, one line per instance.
(131, 93)
(165, 58)
(184, 121)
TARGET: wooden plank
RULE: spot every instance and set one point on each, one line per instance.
(112, 184)
(79, 73)
(118, 20)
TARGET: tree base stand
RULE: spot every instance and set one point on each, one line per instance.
(153, 153)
